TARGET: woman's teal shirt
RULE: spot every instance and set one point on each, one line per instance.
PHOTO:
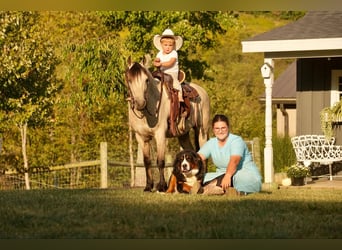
(247, 177)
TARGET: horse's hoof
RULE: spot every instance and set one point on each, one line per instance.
(147, 189)
(162, 188)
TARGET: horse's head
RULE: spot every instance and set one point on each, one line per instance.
(137, 80)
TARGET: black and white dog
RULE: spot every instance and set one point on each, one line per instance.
(187, 175)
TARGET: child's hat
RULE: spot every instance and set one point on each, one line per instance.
(167, 33)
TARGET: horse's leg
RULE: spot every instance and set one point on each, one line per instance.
(201, 137)
(196, 138)
(148, 165)
(145, 147)
(185, 142)
(161, 145)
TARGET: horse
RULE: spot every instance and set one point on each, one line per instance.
(149, 113)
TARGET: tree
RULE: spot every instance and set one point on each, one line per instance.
(198, 29)
(26, 74)
(94, 77)
(91, 48)
(237, 84)
(91, 107)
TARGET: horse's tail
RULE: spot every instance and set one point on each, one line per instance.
(198, 116)
(201, 127)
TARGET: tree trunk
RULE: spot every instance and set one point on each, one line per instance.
(23, 131)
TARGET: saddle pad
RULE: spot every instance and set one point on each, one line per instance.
(189, 91)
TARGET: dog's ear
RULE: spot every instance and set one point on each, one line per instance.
(176, 161)
(198, 159)
(176, 167)
(200, 164)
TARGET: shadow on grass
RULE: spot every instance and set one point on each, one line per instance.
(134, 214)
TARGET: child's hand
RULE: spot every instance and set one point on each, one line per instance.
(156, 62)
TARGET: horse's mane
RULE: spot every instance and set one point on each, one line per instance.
(135, 70)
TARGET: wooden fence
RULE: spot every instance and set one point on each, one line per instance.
(103, 173)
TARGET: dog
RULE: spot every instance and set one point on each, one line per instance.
(187, 174)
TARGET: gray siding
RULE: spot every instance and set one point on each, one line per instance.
(313, 92)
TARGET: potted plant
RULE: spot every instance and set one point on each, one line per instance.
(297, 172)
(328, 116)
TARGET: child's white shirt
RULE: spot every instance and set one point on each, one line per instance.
(165, 58)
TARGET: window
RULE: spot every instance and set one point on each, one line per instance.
(336, 86)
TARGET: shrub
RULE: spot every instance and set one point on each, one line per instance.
(283, 153)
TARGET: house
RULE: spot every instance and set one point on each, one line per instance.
(315, 41)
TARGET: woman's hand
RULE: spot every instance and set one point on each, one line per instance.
(231, 169)
(226, 182)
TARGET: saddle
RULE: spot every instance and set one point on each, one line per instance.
(176, 110)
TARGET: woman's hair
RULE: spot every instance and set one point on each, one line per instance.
(220, 118)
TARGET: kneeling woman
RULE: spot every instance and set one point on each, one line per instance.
(235, 169)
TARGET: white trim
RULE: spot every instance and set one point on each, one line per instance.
(292, 45)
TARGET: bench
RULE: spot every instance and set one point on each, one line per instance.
(311, 149)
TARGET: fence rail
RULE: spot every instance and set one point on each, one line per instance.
(103, 173)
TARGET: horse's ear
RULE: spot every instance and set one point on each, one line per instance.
(129, 61)
(146, 60)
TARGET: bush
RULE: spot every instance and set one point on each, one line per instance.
(283, 153)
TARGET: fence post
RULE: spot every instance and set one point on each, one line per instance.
(104, 164)
(131, 158)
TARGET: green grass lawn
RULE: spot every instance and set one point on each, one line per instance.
(133, 214)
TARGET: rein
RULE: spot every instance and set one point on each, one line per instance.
(160, 95)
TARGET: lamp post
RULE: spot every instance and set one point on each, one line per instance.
(267, 74)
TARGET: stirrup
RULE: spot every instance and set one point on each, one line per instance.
(181, 76)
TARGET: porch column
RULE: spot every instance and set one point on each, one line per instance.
(267, 74)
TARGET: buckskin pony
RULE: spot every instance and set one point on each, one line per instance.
(149, 117)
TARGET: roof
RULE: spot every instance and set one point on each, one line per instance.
(284, 88)
(285, 85)
(316, 31)
(315, 24)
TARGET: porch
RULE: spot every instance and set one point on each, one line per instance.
(319, 184)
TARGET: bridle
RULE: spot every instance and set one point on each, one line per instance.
(130, 99)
